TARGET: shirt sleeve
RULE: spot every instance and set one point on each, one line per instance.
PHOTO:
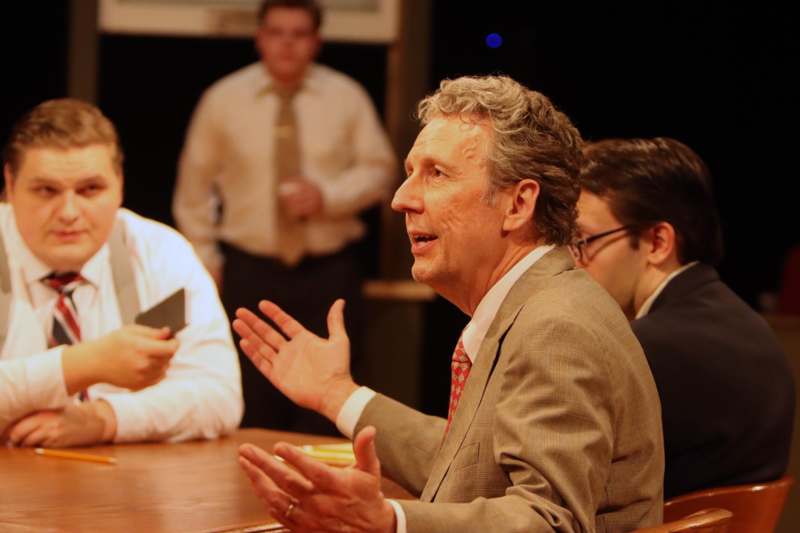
(346, 423)
(370, 177)
(201, 396)
(31, 383)
(400, 515)
(194, 204)
(351, 410)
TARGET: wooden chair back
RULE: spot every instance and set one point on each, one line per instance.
(704, 521)
(755, 508)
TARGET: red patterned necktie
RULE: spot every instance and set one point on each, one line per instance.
(460, 367)
(65, 329)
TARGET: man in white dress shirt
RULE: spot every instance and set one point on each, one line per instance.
(291, 151)
(72, 371)
(554, 417)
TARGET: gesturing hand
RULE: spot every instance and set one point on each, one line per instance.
(306, 495)
(311, 371)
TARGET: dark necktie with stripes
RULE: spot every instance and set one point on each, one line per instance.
(65, 329)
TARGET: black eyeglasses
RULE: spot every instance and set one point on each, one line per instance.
(579, 248)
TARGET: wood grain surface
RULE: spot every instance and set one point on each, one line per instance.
(194, 486)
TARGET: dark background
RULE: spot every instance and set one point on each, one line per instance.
(717, 76)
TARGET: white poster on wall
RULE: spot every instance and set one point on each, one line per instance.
(369, 21)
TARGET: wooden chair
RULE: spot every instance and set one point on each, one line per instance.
(755, 508)
(705, 521)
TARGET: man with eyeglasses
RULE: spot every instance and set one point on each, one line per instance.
(650, 234)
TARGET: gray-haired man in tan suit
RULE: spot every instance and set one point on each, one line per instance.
(554, 420)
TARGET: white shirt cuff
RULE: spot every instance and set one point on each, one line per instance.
(400, 515)
(131, 415)
(351, 410)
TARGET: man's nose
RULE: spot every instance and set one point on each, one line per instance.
(70, 208)
(407, 198)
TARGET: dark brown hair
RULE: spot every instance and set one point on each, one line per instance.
(309, 6)
(647, 181)
(63, 123)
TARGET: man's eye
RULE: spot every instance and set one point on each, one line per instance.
(438, 172)
(88, 190)
(45, 190)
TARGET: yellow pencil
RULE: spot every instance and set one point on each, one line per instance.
(62, 454)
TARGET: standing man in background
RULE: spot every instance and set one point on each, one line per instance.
(291, 151)
(651, 236)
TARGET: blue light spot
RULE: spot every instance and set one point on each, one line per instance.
(494, 40)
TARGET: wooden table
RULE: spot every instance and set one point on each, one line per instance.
(194, 486)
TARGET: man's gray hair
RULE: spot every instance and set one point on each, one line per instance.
(531, 139)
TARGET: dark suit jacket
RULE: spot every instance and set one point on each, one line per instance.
(557, 429)
(727, 393)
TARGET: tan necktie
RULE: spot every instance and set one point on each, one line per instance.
(290, 232)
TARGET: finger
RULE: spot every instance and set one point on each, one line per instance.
(266, 490)
(147, 331)
(159, 348)
(256, 346)
(288, 325)
(258, 329)
(23, 428)
(336, 320)
(262, 482)
(286, 478)
(263, 364)
(258, 353)
(241, 326)
(293, 206)
(364, 450)
(38, 437)
(323, 477)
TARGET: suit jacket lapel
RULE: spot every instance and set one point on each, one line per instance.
(550, 264)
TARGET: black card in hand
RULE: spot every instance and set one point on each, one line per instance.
(170, 311)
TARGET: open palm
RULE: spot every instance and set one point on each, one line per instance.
(303, 366)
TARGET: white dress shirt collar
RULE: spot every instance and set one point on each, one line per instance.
(648, 303)
(265, 83)
(484, 315)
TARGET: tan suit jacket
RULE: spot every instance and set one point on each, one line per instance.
(558, 427)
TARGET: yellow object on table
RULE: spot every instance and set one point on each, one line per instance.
(339, 454)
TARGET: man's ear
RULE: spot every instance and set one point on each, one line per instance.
(521, 206)
(660, 243)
